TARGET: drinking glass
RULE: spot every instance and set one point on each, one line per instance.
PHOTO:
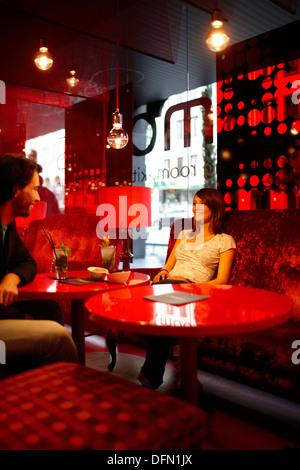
(61, 263)
(108, 254)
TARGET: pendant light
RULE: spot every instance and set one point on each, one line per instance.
(43, 60)
(117, 137)
(217, 38)
(72, 79)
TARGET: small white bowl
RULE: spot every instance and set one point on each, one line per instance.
(97, 273)
(119, 277)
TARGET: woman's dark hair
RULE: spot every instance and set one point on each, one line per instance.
(14, 170)
(214, 200)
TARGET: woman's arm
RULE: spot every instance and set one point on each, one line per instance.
(164, 272)
(224, 269)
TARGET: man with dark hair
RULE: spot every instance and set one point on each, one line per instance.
(48, 339)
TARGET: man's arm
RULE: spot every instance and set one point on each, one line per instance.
(19, 265)
(9, 289)
(20, 262)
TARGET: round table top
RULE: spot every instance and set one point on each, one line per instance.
(45, 286)
(228, 310)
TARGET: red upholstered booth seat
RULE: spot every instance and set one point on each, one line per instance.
(76, 230)
(66, 406)
(267, 257)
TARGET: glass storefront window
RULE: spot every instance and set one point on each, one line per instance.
(174, 174)
(49, 151)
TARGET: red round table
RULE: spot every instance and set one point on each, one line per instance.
(45, 286)
(229, 310)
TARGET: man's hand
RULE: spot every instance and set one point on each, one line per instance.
(9, 289)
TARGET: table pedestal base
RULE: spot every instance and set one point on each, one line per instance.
(77, 313)
(189, 370)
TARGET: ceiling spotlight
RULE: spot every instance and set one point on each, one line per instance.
(72, 79)
(43, 60)
(217, 38)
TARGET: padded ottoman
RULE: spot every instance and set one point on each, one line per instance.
(66, 406)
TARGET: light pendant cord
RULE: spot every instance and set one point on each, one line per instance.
(117, 60)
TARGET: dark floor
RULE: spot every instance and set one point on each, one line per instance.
(232, 426)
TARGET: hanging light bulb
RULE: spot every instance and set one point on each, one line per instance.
(72, 79)
(217, 38)
(117, 137)
(43, 60)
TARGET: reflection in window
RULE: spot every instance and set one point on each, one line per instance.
(180, 129)
(167, 163)
(179, 163)
(194, 126)
(174, 174)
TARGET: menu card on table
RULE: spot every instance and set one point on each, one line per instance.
(79, 281)
(177, 298)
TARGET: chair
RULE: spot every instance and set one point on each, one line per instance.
(66, 406)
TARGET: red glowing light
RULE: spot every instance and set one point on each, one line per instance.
(228, 93)
(228, 198)
(241, 181)
(254, 180)
(267, 83)
(282, 128)
(253, 117)
(267, 115)
(229, 123)
(268, 131)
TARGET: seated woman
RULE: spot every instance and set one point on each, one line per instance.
(198, 255)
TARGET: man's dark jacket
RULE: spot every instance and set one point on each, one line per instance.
(15, 257)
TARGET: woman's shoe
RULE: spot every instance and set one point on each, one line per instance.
(146, 383)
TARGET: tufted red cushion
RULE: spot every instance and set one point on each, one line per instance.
(65, 406)
(267, 257)
(77, 231)
(262, 359)
(268, 251)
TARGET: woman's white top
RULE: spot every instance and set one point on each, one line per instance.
(198, 261)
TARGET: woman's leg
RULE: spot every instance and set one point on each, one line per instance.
(156, 358)
(152, 372)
